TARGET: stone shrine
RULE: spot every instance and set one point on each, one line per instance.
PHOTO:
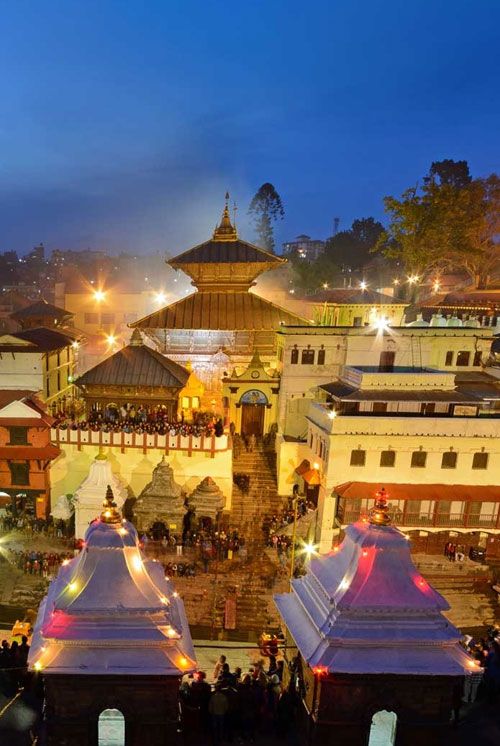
(207, 500)
(111, 636)
(374, 650)
(161, 501)
(88, 496)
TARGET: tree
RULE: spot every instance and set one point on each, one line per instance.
(265, 208)
(449, 172)
(452, 221)
(353, 247)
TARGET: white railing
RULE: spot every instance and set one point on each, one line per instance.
(145, 441)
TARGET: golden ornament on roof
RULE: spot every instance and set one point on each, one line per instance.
(110, 513)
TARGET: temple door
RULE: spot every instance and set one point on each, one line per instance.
(252, 419)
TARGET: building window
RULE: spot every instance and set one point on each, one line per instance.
(19, 472)
(449, 460)
(477, 358)
(449, 358)
(295, 356)
(91, 318)
(463, 358)
(107, 318)
(480, 460)
(358, 457)
(380, 406)
(428, 407)
(18, 436)
(418, 459)
(195, 402)
(386, 361)
(321, 356)
(307, 357)
(357, 321)
(388, 458)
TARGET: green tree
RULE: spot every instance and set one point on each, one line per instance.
(353, 247)
(265, 208)
(452, 221)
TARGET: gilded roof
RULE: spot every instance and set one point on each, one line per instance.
(136, 365)
(229, 311)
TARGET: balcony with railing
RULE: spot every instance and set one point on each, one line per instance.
(436, 520)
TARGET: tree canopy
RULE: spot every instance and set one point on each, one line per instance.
(352, 248)
(265, 208)
(452, 221)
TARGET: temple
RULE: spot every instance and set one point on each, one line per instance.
(223, 323)
(111, 634)
(370, 636)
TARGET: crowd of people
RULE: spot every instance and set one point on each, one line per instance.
(486, 651)
(31, 525)
(44, 564)
(236, 705)
(208, 544)
(13, 665)
(180, 569)
(131, 419)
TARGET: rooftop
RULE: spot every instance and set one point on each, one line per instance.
(134, 365)
(41, 308)
(35, 340)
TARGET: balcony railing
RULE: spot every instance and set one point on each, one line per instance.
(145, 441)
(448, 520)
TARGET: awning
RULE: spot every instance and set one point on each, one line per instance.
(303, 467)
(311, 476)
(465, 492)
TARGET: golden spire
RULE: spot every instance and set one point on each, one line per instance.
(110, 513)
(379, 515)
(225, 231)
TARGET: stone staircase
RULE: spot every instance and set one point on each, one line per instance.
(249, 509)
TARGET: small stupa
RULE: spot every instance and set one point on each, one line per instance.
(160, 501)
(370, 636)
(207, 499)
(111, 633)
(88, 496)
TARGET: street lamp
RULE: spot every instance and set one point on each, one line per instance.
(99, 295)
(160, 297)
(363, 285)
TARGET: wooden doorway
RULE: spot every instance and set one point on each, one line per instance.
(252, 419)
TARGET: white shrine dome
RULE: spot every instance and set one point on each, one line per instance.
(365, 608)
(110, 610)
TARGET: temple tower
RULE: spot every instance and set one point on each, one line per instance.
(374, 650)
(111, 636)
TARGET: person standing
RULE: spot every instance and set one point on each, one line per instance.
(217, 708)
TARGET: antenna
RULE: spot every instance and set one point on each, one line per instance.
(235, 210)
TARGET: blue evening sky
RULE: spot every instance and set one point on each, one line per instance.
(124, 121)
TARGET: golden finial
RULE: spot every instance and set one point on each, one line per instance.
(225, 231)
(379, 515)
(110, 513)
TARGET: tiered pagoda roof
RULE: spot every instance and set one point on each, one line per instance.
(112, 611)
(365, 608)
(223, 270)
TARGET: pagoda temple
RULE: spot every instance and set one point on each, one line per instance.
(111, 636)
(135, 375)
(88, 496)
(219, 326)
(373, 647)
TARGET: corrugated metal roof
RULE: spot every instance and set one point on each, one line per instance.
(349, 296)
(40, 308)
(136, 365)
(43, 339)
(403, 491)
(216, 311)
(217, 252)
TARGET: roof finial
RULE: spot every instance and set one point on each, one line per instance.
(110, 513)
(379, 515)
(225, 231)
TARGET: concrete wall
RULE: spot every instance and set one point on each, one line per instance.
(135, 468)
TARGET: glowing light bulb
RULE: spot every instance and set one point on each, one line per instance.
(344, 585)
(175, 594)
(336, 548)
(75, 345)
(365, 553)
(122, 531)
(363, 285)
(171, 632)
(332, 414)
(72, 586)
(436, 285)
(160, 297)
(65, 562)
(110, 339)
(325, 285)
(164, 600)
(37, 666)
(99, 295)
(395, 281)
(316, 465)
(309, 549)
(183, 662)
